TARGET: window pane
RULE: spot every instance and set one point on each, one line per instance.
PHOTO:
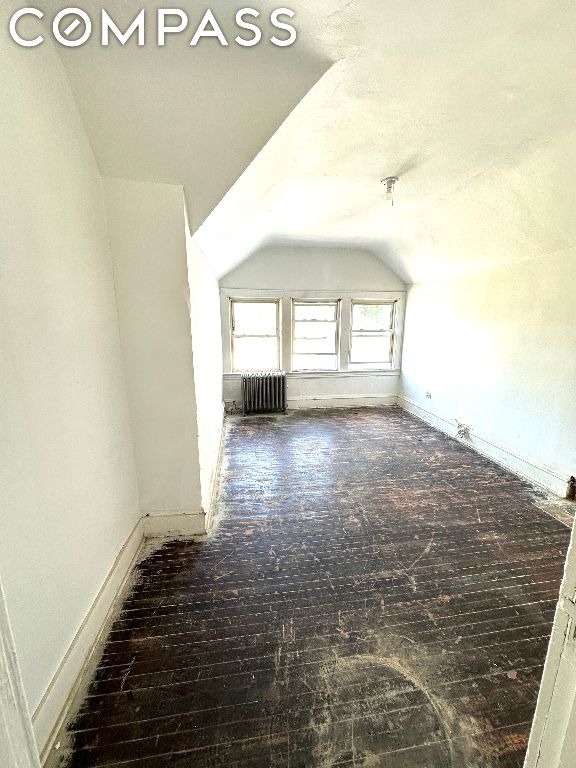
(315, 362)
(310, 346)
(254, 354)
(315, 331)
(372, 317)
(371, 349)
(314, 312)
(256, 318)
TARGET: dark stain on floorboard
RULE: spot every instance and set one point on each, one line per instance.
(374, 594)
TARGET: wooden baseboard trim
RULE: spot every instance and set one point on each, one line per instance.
(174, 525)
(53, 708)
(547, 478)
(342, 401)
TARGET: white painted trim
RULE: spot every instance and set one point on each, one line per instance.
(307, 375)
(54, 705)
(338, 401)
(164, 525)
(17, 743)
(299, 293)
(550, 479)
(553, 739)
(286, 297)
(342, 401)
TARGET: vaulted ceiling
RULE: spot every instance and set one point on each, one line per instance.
(471, 104)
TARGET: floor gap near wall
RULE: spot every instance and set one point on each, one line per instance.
(373, 593)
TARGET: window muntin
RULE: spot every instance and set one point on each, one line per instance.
(372, 335)
(255, 327)
(315, 327)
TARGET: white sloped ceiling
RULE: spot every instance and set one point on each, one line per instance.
(470, 103)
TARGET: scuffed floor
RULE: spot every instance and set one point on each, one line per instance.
(375, 594)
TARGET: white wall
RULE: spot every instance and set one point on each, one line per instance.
(147, 235)
(206, 345)
(496, 351)
(307, 267)
(68, 493)
(306, 271)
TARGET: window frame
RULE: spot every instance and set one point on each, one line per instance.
(337, 304)
(285, 297)
(392, 332)
(233, 335)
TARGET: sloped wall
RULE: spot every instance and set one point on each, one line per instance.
(312, 267)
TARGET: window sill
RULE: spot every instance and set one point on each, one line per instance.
(328, 374)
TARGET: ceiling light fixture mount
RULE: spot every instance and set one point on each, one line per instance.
(390, 182)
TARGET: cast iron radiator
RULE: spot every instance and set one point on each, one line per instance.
(264, 392)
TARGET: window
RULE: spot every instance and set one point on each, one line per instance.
(255, 335)
(372, 337)
(336, 332)
(315, 335)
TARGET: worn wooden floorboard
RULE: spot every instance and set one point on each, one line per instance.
(375, 594)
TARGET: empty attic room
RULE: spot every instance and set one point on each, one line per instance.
(288, 383)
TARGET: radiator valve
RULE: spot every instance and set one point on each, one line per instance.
(571, 493)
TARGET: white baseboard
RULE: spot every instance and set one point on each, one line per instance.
(54, 705)
(550, 479)
(342, 401)
(337, 401)
(166, 524)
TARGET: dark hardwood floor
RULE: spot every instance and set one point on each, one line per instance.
(375, 594)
